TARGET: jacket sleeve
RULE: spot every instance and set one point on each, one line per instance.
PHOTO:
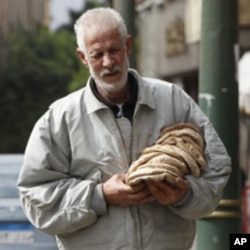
(52, 200)
(205, 191)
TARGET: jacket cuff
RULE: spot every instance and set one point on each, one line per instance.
(185, 199)
(97, 201)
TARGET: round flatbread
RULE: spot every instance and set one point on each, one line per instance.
(178, 151)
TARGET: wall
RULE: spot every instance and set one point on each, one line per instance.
(27, 13)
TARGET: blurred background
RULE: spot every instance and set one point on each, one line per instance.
(38, 61)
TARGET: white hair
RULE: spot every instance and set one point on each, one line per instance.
(98, 19)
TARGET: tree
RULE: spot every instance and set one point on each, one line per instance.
(36, 68)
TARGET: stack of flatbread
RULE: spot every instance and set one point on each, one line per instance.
(179, 151)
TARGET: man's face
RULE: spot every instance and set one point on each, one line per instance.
(107, 59)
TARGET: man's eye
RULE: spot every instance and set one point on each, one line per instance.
(96, 56)
(114, 51)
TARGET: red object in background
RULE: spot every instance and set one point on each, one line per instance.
(246, 209)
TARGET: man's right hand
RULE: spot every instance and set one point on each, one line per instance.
(117, 192)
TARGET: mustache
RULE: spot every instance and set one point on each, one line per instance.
(116, 69)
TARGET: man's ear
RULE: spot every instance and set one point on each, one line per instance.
(129, 41)
(82, 57)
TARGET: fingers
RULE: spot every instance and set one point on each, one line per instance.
(181, 183)
(167, 194)
(159, 192)
(116, 192)
(140, 197)
(139, 194)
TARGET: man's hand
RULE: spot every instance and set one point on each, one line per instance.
(167, 194)
(117, 192)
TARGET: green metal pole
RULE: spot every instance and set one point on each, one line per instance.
(128, 13)
(218, 98)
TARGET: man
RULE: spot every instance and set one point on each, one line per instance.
(72, 183)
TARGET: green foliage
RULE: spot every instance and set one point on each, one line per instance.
(36, 68)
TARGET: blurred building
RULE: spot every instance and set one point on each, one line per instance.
(169, 32)
(23, 13)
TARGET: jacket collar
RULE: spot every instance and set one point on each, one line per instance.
(145, 95)
(145, 90)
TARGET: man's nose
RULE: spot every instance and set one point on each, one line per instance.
(108, 60)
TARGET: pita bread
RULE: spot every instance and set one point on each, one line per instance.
(168, 155)
(156, 177)
(142, 160)
(178, 151)
(183, 132)
(155, 174)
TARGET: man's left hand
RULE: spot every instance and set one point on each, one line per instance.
(167, 194)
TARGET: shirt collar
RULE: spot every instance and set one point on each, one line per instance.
(133, 90)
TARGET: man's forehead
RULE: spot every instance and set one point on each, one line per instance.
(103, 38)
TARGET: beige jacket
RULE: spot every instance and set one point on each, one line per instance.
(77, 144)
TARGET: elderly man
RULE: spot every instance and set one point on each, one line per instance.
(73, 180)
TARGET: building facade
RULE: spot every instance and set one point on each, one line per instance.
(23, 13)
(169, 34)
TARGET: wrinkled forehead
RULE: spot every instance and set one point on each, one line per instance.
(99, 35)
